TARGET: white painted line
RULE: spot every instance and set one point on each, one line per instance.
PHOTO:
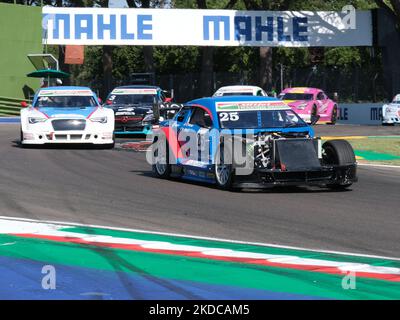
(378, 165)
(204, 238)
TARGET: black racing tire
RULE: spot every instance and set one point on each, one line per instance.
(314, 112)
(388, 124)
(163, 170)
(338, 152)
(334, 115)
(224, 175)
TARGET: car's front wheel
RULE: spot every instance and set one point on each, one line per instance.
(338, 152)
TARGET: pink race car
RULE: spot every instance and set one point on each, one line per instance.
(308, 102)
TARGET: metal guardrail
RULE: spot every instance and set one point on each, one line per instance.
(10, 106)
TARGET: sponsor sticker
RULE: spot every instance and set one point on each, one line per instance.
(250, 106)
(134, 91)
(53, 93)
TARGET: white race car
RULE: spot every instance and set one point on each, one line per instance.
(391, 112)
(240, 91)
(61, 115)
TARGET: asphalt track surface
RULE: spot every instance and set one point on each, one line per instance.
(356, 130)
(116, 188)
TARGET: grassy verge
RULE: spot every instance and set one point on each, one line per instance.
(377, 150)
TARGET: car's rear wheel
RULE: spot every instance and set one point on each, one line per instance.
(333, 115)
(223, 171)
(338, 152)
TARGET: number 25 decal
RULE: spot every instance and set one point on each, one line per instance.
(231, 116)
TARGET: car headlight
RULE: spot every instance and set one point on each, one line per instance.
(99, 119)
(390, 109)
(33, 120)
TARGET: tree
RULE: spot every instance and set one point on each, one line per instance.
(392, 7)
(266, 53)
(207, 57)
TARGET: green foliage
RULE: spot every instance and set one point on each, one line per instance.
(343, 56)
(171, 59)
(235, 59)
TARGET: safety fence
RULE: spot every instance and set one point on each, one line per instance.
(10, 106)
(351, 85)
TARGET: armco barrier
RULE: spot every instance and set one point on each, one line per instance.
(360, 113)
(10, 106)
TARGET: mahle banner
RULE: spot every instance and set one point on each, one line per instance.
(105, 26)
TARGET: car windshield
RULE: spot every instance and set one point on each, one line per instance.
(296, 96)
(65, 102)
(130, 98)
(260, 119)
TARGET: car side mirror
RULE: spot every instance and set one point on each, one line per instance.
(99, 100)
(314, 119)
(24, 104)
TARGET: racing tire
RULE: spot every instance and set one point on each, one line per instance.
(338, 152)
(163, 170)
(387, 124)
(223, 172)
(333, 116)
(314, 112)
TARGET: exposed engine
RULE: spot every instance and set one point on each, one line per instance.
(261, 149)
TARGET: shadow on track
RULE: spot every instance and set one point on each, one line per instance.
(266, 190)
(75, 146)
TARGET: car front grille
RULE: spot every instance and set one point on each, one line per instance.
(69, 124)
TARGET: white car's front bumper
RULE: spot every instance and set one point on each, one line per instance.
(389, 119)
(45, 133)
(67, 137)
(391, 114)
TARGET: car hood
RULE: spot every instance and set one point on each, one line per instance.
(63, 112)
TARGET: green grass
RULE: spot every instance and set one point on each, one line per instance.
(384, 146)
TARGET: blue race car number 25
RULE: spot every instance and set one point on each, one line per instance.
(229, 116)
